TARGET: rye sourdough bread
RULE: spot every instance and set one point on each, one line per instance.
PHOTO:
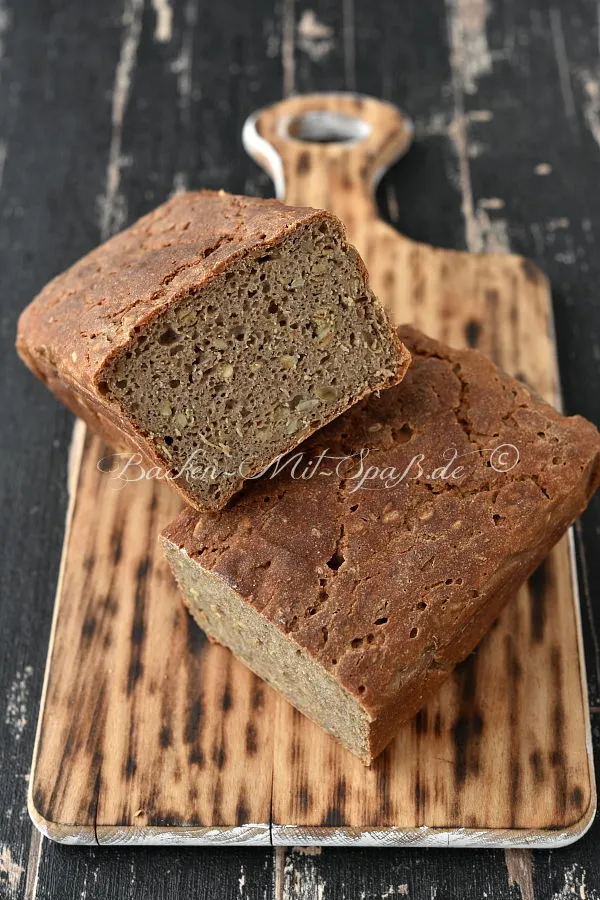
(356, 600)
(211, 336)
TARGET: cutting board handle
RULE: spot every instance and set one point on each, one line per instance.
(328, 150)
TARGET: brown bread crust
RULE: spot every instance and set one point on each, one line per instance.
(87, 315)
(390, 588)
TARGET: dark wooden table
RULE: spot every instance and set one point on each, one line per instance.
(106, 107)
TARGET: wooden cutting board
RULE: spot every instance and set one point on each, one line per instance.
(148, 734)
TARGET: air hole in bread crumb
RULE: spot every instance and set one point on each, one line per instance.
(402, 435)
(361, 689)
(421, 605)
(103, 388)
(381, 621)
(356, 642)
(168, 337)
(413, 632)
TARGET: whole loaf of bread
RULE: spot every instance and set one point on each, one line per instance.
(355, 579)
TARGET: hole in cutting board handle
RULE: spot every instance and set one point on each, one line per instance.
(321, 126)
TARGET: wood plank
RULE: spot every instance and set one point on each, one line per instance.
(52, 142)
(162, 738)
(55, 120)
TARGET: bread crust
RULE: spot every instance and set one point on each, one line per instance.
(389, 588)
(86, 316)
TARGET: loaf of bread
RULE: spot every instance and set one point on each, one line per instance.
(213, 335)
(356, 591)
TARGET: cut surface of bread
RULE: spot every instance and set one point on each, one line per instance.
(356, 594)
(214, 335)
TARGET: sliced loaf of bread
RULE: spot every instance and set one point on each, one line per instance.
(213, 335)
